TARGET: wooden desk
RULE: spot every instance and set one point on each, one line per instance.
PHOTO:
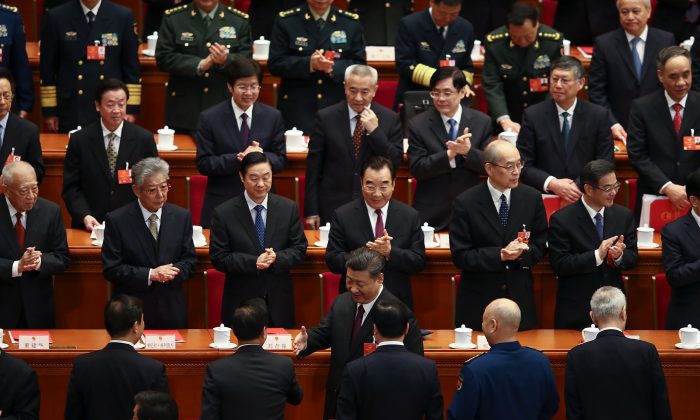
(185, 368)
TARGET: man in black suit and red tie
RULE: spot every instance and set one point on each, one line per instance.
(148, 250)
(590, 243)
(348, 327)
(228, 131)
(381, 223)
(256, 239)
(33, 249)
(614, 377)
(658, 123)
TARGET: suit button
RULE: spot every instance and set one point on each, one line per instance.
(80, 77)
(80, 92)
(80, 62)
(286, 97)
(228, 46)
(678, 164)
(187, 44)
(102, 77)
(208, 44)
(172, 94)
(205, 90)
(503, 286)
(319, 96)
(524, 93)
(301, 49)
(206, 74)
(102, 62)
(524, 78)
(387, 5)
(524, 104)
(320, 82)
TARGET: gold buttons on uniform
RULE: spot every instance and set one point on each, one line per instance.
(208, 44)
(525, 105)
(205, 90)
(387, 5)
(80, 77)
(320, 82)
(524, 78)
(172, 94)
(187, 44)
(80, 92)
(301, 49)
(102, 62)
(206, 74)
(319, 96)
(80, 62)
(524, 92)
(102, 77)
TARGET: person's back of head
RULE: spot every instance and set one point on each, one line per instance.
(390, 321)
(501, 321)
(123, 316)
(155, 405)
(609, 308)
(249, 322)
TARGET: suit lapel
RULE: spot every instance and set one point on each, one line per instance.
(7, 133)
(79, 23)
(97, 145)
(271, 220)
(244, 215)
(578, 125)
(586, 223)
(142, 235)
(692, 229)
(126, 148)
(231, 126)
(7, 229)
(666, 118)
(626, 53)
(649, 63)
(464, 122)
(438, 128)
(363, 217)
(691, 114)
(345, 132)
(166, 231)
(554, 130)
(487, 209)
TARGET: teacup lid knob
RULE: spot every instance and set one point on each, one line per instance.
(425, 224)
(646, 225)
(592, 325)
(690, 326)
(222, 325)
(463, 326)
(262, 38)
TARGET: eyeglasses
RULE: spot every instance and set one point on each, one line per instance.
(26, 191)
(248, 88)
(609, 188)
(6, 96)
(372, 188)
(162, 188)
(511, 167)
(447, 94)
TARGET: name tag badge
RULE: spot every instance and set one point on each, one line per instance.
(330, 55)
(1, 60)
(160, 342)
(691, 142)
(13, 158)
(447, 63)
(369, 348)
(96, 52)
(524, 235)
(124, 176)
(539, 84)
(34, 342)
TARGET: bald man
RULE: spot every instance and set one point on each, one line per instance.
(509, 381)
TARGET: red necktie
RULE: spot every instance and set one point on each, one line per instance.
(379, 227)
(358, 321)
(677, 118)
(19, 230)
(357, 137)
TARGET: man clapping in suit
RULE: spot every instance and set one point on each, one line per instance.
(380, 223)
(148, 250)
(228, 131)
(590, 243)
(563, 133)
(345, 135)
(256, 239)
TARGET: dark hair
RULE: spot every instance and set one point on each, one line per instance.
(594, 170)
(377, 163)
(448, 2)
(692, 184)
(390, 318)
(109, 84)
(668, 53)
(449, 72)
(242, 67)
(250, 319)
(365, 259)
(253, 158)
(520, 12)
(568, 63)
(155, 405)
(6, 74)
(121, 312)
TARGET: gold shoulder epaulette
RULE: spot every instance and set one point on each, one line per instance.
(471, 359)
(238, 12)
(290, 12)
(8, 8)
(353, 16)
(497, 36)
(176, 9)
(554, 36)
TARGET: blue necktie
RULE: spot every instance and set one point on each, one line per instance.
(635, 57)
(503, 211)
(599, 225)
(259, 224)
(453, 129)
(565, 129)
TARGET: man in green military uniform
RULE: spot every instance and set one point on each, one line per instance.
(310, 49)
(516, 65)
(195, 42)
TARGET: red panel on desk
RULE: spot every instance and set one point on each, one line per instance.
(197, 185)
(662, 212)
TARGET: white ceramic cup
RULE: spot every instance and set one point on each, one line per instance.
(261, 49)
(197, 235)
(2, 332)
(645, 235)
(166, 136)
(222, 335)
(99, 233)
(152, 40)
(295, 138)
(428, 234)
(567, 47)
(476, 50)
(688, 335)
(70, 133)
(463, 336)
(324, 231)
(509, 136)
(589, 333)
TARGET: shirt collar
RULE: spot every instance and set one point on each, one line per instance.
(3, 120)
(390, 343)
(609, 328)
(642, 36)
(570, 110)
(123, 342)
(430, 13)
(670, 102)
(147, 213)
(457, 116)
(384, 210)
(695, 216)
(252, 204)
(323, 16)
(590, 210)
(211, 14)
(94, 9)
(495, 194)
(11, 208)
(237, 111)
(368, 306)
(106, 131)
(353, 114)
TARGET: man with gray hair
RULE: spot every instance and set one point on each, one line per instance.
(613, 377)
(148, 249)
(344, 136)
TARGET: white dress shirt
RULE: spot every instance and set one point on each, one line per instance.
(252, 204)
(237, 111)
(496, 195)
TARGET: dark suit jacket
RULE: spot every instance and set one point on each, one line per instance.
(235, 249)
(218, 143)
(485, 15)
(390, 383)
(572, 242)
(19, 389)
(654, 149)
(23, 136)
(88, 187)
(541, 146)
(351, 229)
(695, 58)
(476, 240)
(335, 331)
(439, 184)
(332, 173)
(129, 251)
(612, 80)
(669, 15)
(103, 383)
(250, 384)
(582, 21)
(30, 296)
(614, 377)
(681, 254)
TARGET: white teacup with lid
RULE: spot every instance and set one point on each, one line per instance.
(295, 139)
(152, 41)
(166, 137)
(645, 235)
(222, 335)
(509, 136)
(197, 235)
(261, 49)
(688, 336)
(589, 333)
(428, 235)
(463, 336)
(324, 231)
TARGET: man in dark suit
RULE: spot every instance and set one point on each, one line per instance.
(412, 380)
(614, 377)
(497, 234)
(155, 405)
(98, 154)
(623, 66)
(563, 133)
(680, 240)
(256, 239)
(383, 224)
(380, 20)
(590, 243)
(228, 131)
(33, 249)
(18, 137)
(19, 389)
(582, 21)
(347, 328)
(252, 383)
(445, 147)
(510, 381)
(677, 16)
(148, 250)
(310, 49)
(72, 66)
(429, 39)
(103, 383)
(345, 135)
(658, 123)
(14, 57)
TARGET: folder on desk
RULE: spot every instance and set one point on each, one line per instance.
(176, 333)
